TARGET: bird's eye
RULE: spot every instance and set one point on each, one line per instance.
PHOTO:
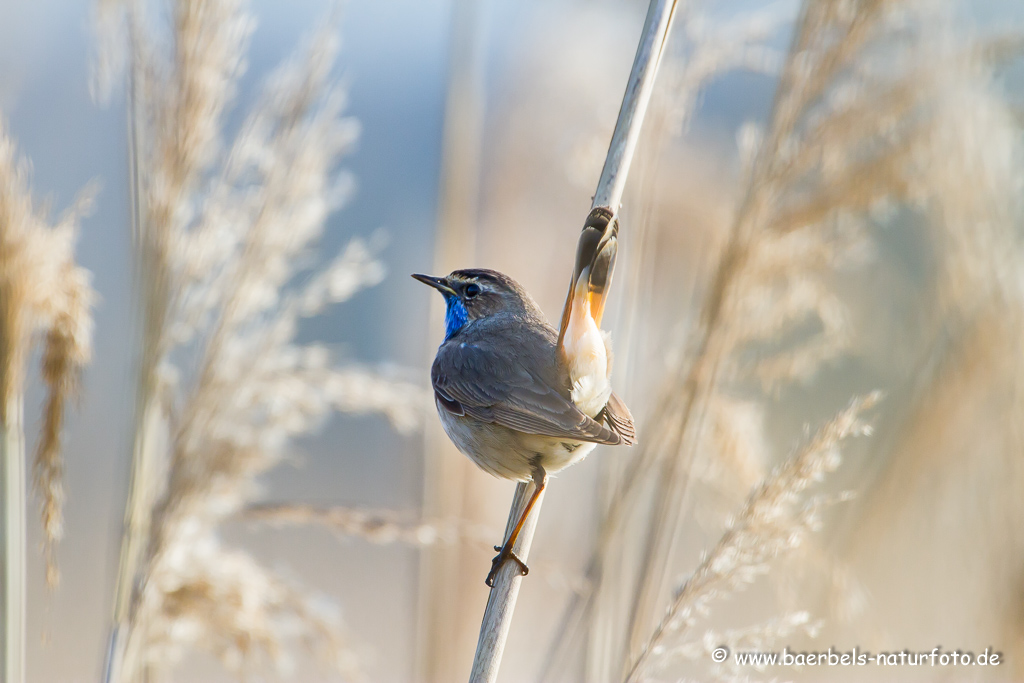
(472, 290)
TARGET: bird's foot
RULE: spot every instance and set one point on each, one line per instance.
(504, 554)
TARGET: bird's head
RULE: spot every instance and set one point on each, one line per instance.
(478, 293)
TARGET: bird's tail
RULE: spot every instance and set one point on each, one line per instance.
(595, 260)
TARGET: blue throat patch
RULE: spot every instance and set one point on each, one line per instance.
(455, 317)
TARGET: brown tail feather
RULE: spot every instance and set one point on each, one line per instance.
(596, 251)
(618, 418)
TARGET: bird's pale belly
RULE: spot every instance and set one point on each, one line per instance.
(508, 453)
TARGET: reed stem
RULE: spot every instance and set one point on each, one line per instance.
(653, 38)
(502, 601)
(626, 136)
(13, 444)
(138, 508)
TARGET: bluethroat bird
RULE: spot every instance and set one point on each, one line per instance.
(521, 399)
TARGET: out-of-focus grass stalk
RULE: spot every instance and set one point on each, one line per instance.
(378, 526)
(149, 417)
(152, 218)
(447, 472)
(141, 491)
(13, 444)
(653, 38)
(138, 515)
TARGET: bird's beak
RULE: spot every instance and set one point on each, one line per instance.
(438, 283)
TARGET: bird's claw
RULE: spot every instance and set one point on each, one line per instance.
(505, 553)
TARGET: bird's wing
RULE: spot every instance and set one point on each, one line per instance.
(491, 385)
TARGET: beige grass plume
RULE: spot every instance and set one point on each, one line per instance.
(769, 524)
(225, 237)
(44, 297)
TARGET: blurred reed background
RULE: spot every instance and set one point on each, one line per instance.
(826, 204)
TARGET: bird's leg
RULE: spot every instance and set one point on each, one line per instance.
(505, 553)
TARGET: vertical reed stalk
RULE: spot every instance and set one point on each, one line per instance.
(653, 38)
(13, 445)
(502, 601)
(447, 473)
(626, 136)
(138, 507)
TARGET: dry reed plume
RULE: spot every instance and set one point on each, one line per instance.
(224, 237)
(770, 524)
(44, 297)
